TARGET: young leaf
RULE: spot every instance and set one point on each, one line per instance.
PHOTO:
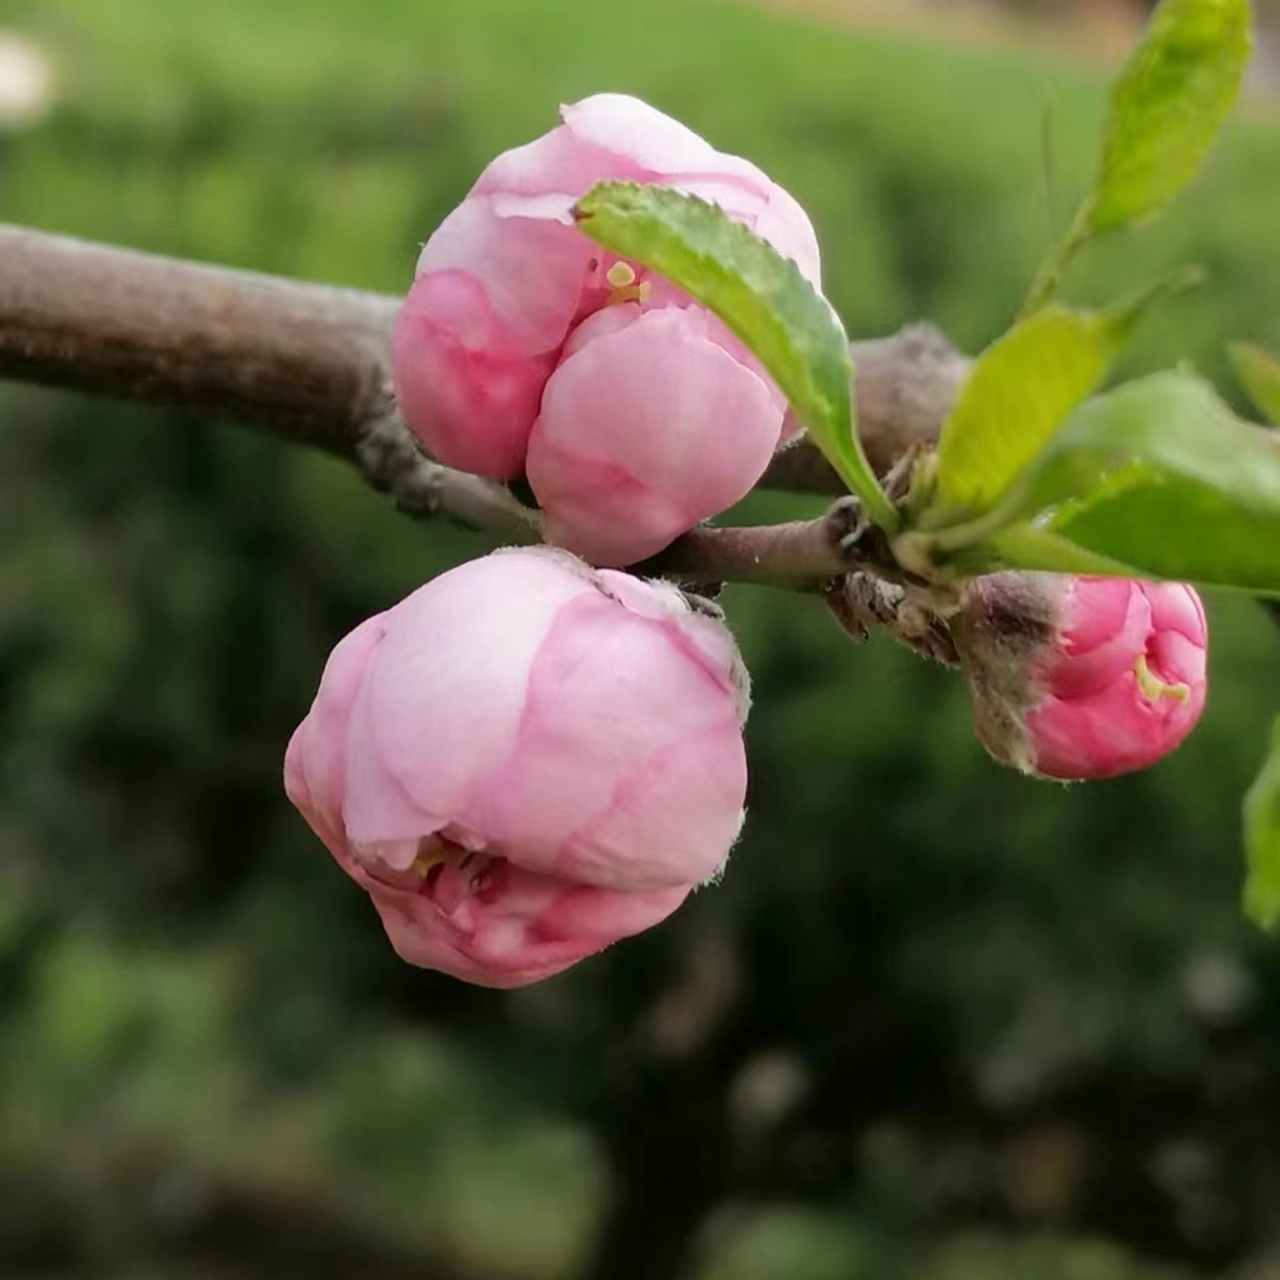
(1029, 546)
(1184, 531)
(1019, 393)
(1176, 90)
(1158, 476)
(1259, 374)
(1262, 842)
(761, 296)
(1167, 107)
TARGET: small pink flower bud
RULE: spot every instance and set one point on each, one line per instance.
(525, 761)
(508, 275)
(1082, 678)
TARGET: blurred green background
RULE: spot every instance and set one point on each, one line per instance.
(938, 1023)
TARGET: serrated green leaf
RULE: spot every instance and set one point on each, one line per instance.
(761, 296)
(1259, 374)
(1167, 108)
(1158, 476)
(1184, 531)
(1203, 503)
(1020, 391)
(1262, 841)
(1176, 90)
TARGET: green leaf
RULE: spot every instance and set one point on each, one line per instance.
(1176, 90)
(761, 296)
(1029, 546)
(1159, 476)
(1259, 374)
(1262, 841)
(1186, 532)
(1167, 107)
(1019, 393)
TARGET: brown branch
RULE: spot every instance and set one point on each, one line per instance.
(300, 360)
(799, 556)
(391, 461)
(309, 363)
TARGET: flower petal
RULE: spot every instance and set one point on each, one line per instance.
(644, 432)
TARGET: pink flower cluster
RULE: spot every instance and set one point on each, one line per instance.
(525, 349)
(530, 758)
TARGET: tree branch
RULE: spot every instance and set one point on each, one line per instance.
(799, 556)
(299, 360)
(310, 363)
(796, 556)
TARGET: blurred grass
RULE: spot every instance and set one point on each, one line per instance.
(180, 966)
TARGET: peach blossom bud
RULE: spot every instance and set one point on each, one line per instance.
(508, 274)
(524, 761)
(1082, 678)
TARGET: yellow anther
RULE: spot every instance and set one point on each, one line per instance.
(1153, 688)
(621, 275)
(623, 287)
(424, 862)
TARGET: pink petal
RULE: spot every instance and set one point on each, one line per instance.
(558, 163)
(532, 269)
(315, 762)
(1107, 623)
(584, 500)
(1113, 732)
(626, 126)
(464, 386)
(1097, 611)
(674, 818)
(704, 639)
(621, 710)
(446, 689)
(517, 927)
(1177, 607)
(643, 433)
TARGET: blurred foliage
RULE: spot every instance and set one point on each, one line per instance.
(938, 1022)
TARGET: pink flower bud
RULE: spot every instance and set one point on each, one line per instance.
(650, 424)
(524, 761)
(508, 275)
(1082, 678)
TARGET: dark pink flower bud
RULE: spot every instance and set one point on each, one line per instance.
(525, 761)
(1082, 678)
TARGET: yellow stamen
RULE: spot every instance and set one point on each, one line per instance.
(632, 293)
(1153, 688)
(424, 862)
(623, 287)
(621, 275)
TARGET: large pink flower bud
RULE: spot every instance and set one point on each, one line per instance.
(1082, 678)
(508, 274)
(524, 761)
